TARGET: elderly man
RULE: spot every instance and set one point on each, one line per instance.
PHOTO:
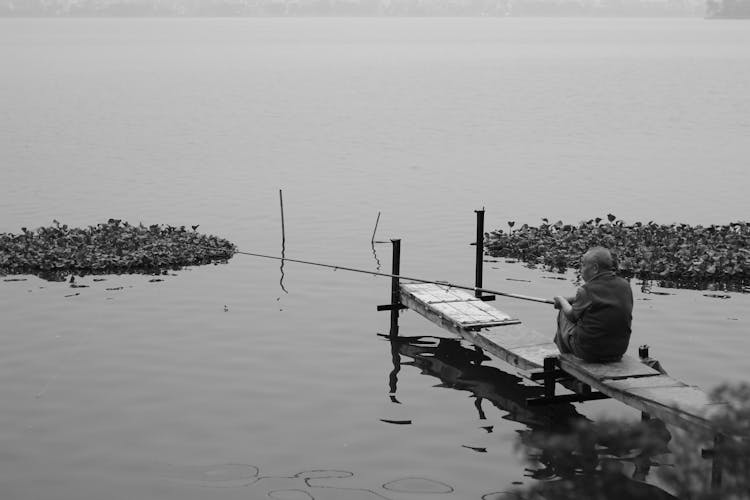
(595, 324)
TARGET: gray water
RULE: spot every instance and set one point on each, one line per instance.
(215, 382)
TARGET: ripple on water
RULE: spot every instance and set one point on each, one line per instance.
(418, 485)
(290, 495)
(215, 475)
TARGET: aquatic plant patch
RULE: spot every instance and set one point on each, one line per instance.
(676, 254)
(114, 247)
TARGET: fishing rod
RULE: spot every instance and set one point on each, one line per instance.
(419, 280)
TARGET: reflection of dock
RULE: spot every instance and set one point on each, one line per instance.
(461, 369)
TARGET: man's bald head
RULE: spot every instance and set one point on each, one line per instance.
(595, 261)
(601, 257)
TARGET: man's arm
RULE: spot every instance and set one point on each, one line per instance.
(569, 300)
(563, 303)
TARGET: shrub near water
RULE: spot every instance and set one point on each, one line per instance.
(679, 254)
(111, 248)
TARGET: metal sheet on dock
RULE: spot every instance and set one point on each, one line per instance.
(625, 368)
(457, 306)
(478, 322)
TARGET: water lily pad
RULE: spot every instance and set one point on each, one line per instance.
(713, 257)
(114, 247)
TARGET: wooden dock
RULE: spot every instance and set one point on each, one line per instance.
(507, 338)
(630, 380)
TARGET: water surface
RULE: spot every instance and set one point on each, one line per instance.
(216, 377)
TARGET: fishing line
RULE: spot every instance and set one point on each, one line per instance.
(408, 278)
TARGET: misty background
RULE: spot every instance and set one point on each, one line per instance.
(227, 8)
(226, 377)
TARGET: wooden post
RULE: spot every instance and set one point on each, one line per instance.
(395, 291)
(716, 469)
(549, 377)
(479, 253)
(643, 354)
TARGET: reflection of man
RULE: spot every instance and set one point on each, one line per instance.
(595, 324)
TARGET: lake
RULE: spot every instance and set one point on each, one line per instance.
(217, 382)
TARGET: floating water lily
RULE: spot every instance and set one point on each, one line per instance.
(677, 254)
(113, 247)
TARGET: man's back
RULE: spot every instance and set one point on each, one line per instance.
(604, 307)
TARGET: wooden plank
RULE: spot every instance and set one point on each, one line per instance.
(526, 358)
(489, 310)
(516, 336)
(440, 320)
(627, 367)
(420, 291)
(430, 296)
(488, 324)
(468, 313)
(683, 397)
(449, 312)
(430, 293)
(629, 384)
(452, 317)
(417, 286)
(458, 306)
(533, 355)
(672, 401)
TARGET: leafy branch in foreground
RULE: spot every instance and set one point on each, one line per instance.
(595, 461)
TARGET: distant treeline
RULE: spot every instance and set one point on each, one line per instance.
(730, 9)
(251, 8)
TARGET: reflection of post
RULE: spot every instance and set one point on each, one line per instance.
(642, 465)
(283, 242)
(478, 406)
(393, 376)
(395, 291)
(372, 242)
(375, 255)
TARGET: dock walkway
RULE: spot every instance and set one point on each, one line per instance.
(507, 338)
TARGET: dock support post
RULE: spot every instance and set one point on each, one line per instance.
(395, 291)
(550, 364)
(395, 306)
(550, 374)
(480, 257)
(716, 469)
(643, 354)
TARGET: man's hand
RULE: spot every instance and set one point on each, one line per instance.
(563, 304)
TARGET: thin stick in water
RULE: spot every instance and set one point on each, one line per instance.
(283, 243)
(376, 228)
(281, 203)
